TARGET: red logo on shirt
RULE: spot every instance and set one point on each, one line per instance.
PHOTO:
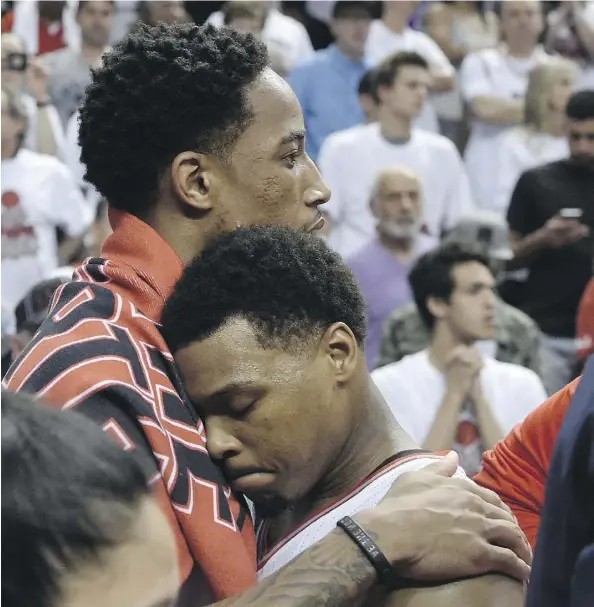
(18, 235)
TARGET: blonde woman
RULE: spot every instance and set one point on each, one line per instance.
(542, 137)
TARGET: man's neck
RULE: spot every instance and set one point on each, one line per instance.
(521, 49)
(375, 440)
(400, 248)
(395, 21)
(394, 127)
(91, 53)
(350, 53)
(9, 150)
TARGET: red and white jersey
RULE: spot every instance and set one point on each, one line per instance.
(365, 495)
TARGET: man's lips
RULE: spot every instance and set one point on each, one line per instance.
(318, 224)
(248, 480)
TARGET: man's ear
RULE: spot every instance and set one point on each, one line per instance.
(340, 345)
(437, 307)
(193, 178)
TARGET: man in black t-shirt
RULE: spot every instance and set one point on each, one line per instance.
(551, 222)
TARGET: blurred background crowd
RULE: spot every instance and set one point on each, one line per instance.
(437, 125)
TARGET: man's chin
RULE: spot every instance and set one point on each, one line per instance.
(270, 505)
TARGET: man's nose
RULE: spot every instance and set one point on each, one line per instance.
(317, 191)
(220, 440)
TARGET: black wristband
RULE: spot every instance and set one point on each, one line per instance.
(44, 103)
(385, 572)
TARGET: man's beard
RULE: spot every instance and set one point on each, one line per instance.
(400, 230)
(583, 160)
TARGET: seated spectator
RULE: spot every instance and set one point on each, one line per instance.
(326, 84)
(543, 136)
(31, 312)
(551, 222)
(351, 160)
(570, 33)
(450, 396)
(249, 17)
(516, 337)
(367, 96)
(20, 72)
(280, 32)
(392, 34)
(81, 526)
(458, 28)
(493, 83)
(44, 26)
(70, 68)
(382, 266)
(38, 195)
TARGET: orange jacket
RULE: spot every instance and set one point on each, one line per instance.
(517, 468)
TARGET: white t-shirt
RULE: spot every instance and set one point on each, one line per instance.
(38, 195)
(520, 150)
(414, 390)
(367, 495)
(350, 162)
(491, 73)
(382, 42)
(281, 33)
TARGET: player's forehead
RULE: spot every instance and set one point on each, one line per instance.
(276, 113)
(228, 361)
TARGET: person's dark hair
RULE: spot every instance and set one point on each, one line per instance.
(388, 69)
(367, 84)
(344, 8)
(431, 275)
(246, 9)
(83, 3)
(581, 106)
(162, 90)
(288, 284)
(31, 311)
(68, 492)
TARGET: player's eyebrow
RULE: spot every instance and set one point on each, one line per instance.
(293, 136)
(230, 388)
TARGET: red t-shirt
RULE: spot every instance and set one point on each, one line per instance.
(50, 35)
(517, 468)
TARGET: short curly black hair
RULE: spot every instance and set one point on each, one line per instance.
(287, 283)
(162, 90)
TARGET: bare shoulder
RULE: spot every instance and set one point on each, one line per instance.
(492, 590)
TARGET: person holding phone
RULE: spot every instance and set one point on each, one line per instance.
(551, 221)
(22, 73)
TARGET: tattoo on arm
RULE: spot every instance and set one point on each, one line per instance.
(333, 572)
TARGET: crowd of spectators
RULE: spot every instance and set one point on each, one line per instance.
(457, 139)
